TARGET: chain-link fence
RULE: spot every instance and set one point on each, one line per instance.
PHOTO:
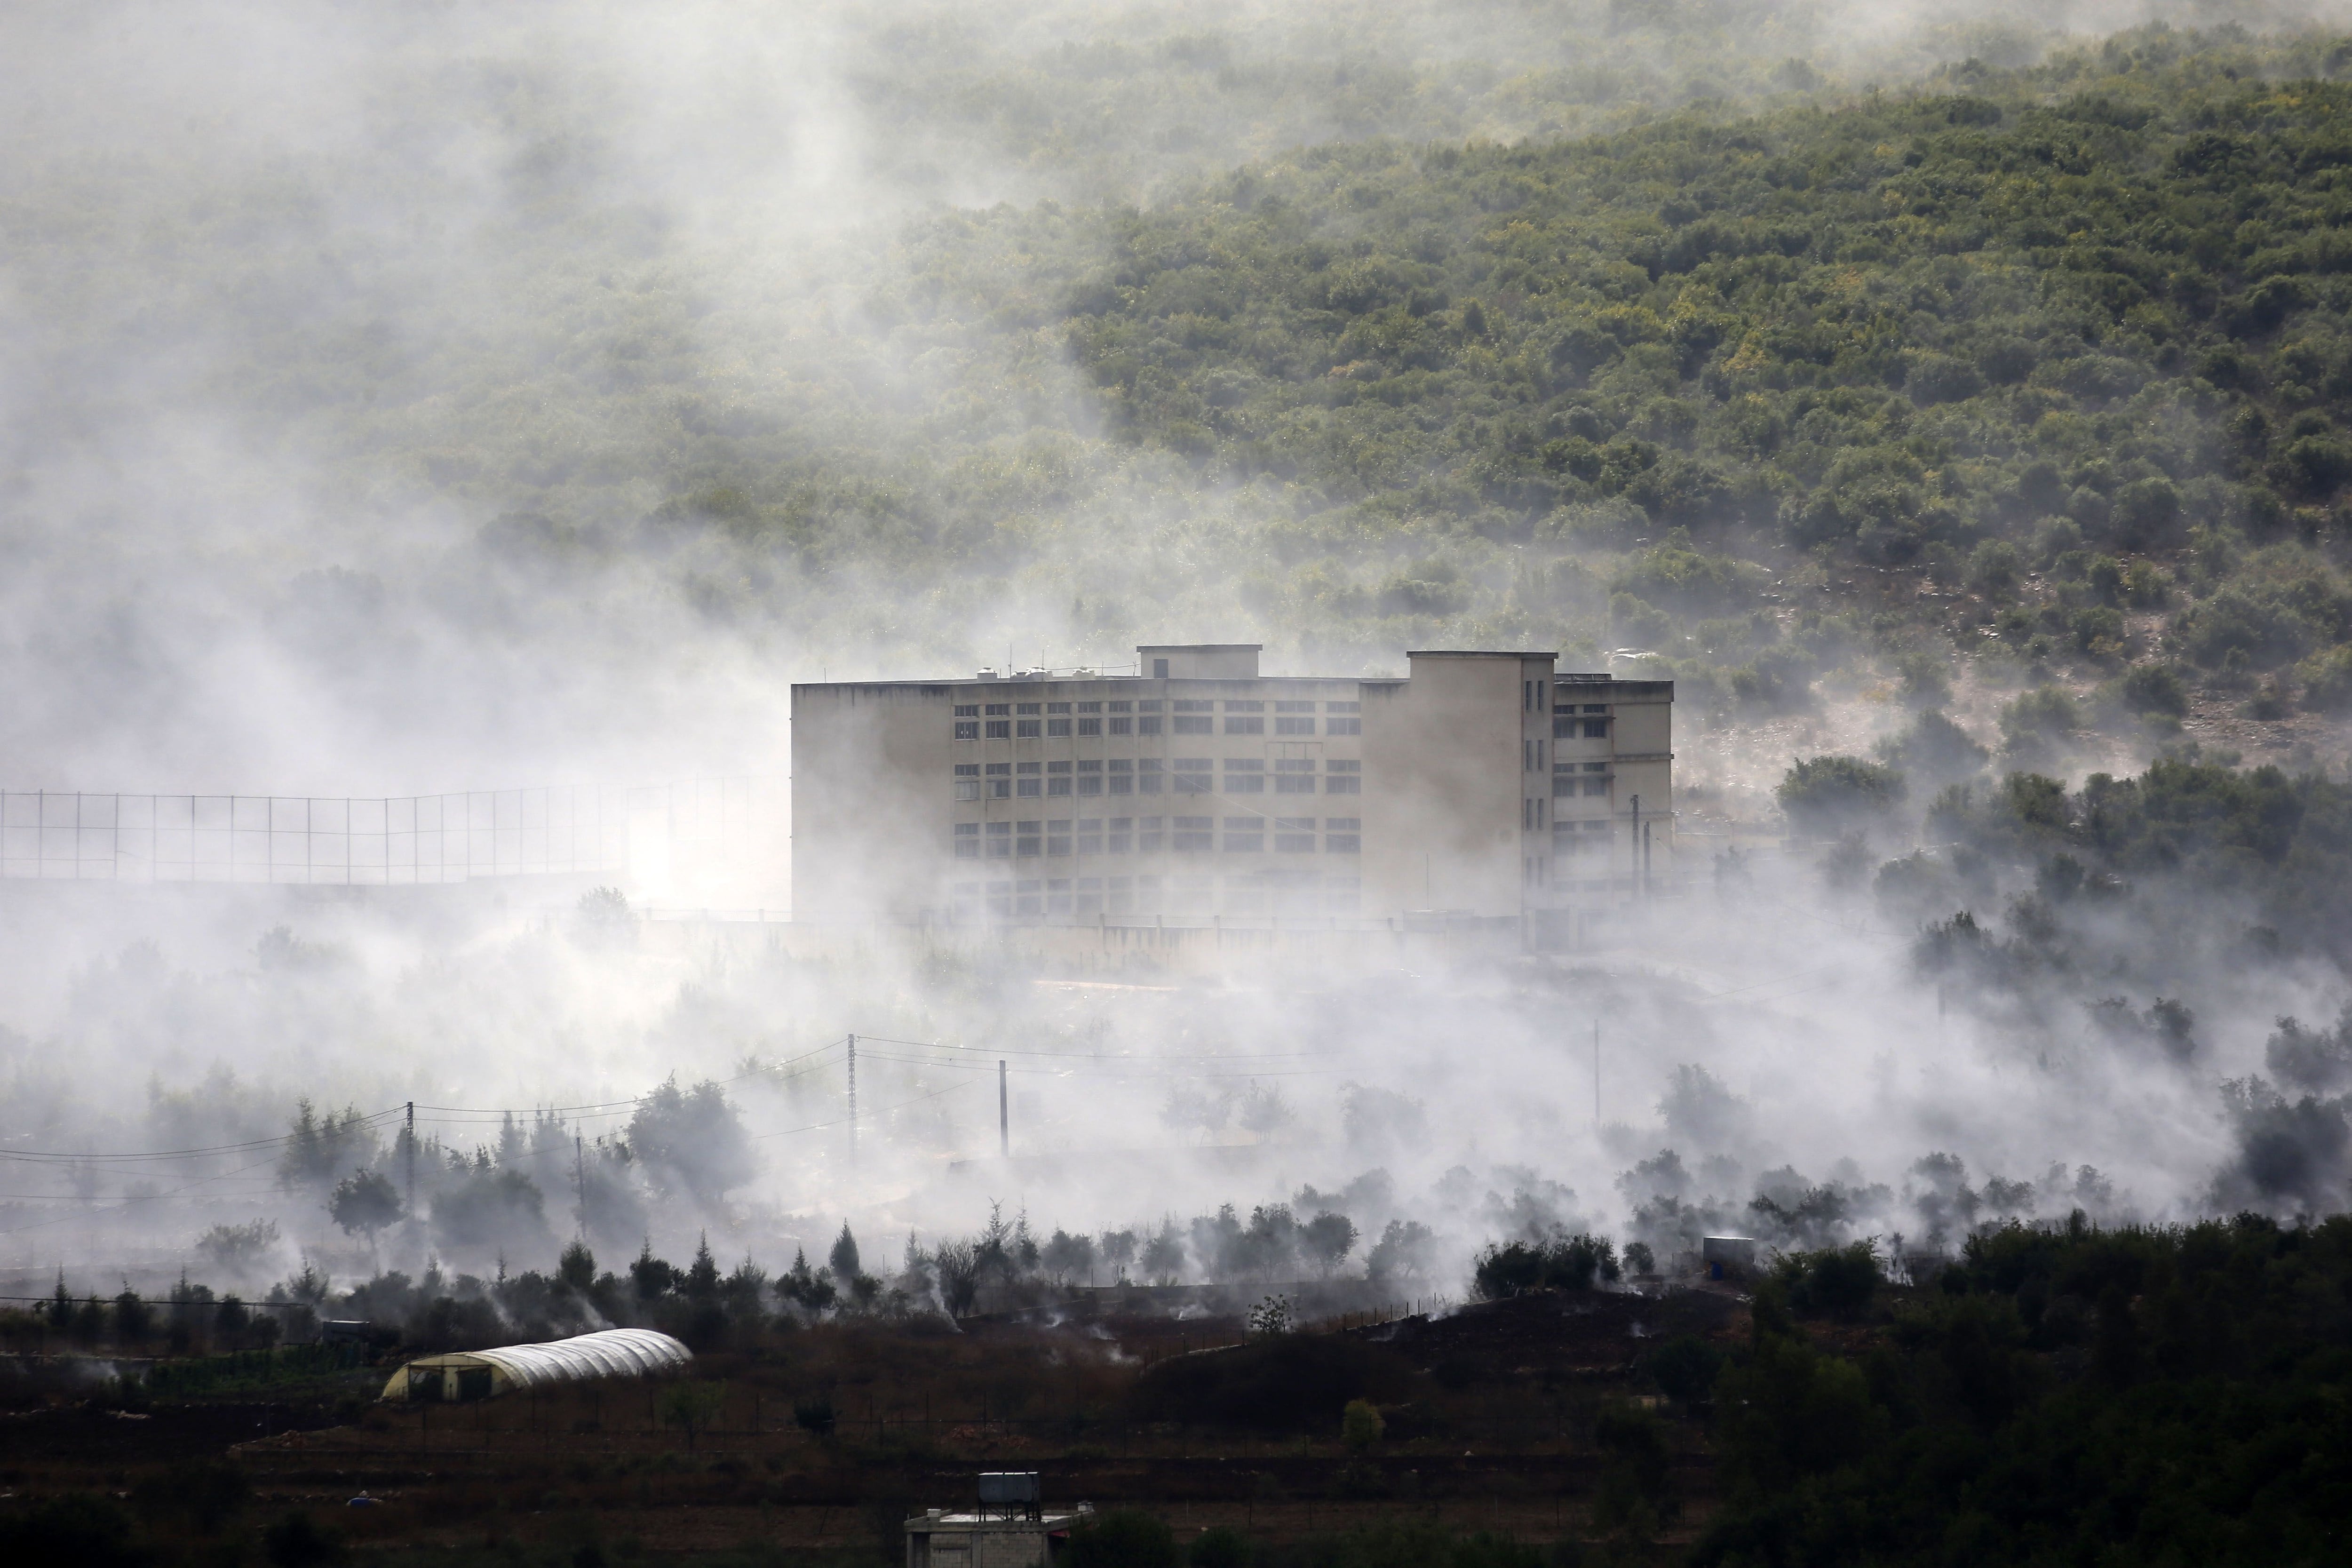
(403, 839)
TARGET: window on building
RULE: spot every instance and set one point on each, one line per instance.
(1192, 724)
(1122, 775)
(966, 840)
(1147, 724)
(1149, 838)
(1057, 836)
(1343, 708)
(1026, 839)
(1123, 705)
(1000, 840)
(1000, 728)
(967, 789)
(967, 729)
(1000, 900)
(1021, 707)
(1028, 789)
(1194, 835)
(1596, 767)
(1057, 708)
(1090, 726)
(1596, 729)
(1294, 707)
(1237, 705)
(1193, 705)
(998, 709)
(1090, 777)
(1237, 725)
(1147, 705)
(1287, 726)
(1059, 784)
(967, 710)
(1122, 726)
(1564, 729)
(1244, 775)
(1338, 782)
(1562, 783)
(1596, 707)
(1596, 786)
(1090, 706)
(1028, 898)
(1193, 775)
(1028, 728)
(967, 770)
(1294, 784)
(1158, 669)
(1057, 729)
(1120, 839)
(1294, 836)
(1060, 767)
(1090, 897)
(1245, 834)
(1148, 780)
(1343, 835)
(1343, 726)
(1090, 835)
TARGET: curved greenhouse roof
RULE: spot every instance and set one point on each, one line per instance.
(477, 1374)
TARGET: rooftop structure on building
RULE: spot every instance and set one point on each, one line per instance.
(1481, 784)
(1009, 1529)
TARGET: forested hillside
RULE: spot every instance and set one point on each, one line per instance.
(2047, 366)
(2026, 377)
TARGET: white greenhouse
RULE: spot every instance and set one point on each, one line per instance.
(483, 1374)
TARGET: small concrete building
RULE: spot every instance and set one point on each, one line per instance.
(1485, 785)
(1009, 1529)
(466, 1375)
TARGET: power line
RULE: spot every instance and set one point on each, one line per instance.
(370, 1119)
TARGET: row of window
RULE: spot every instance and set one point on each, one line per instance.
(1145, 724)
(1151, 705)
(1579, 729)
(1088, 895)
(1155, 835)
(1151, 776)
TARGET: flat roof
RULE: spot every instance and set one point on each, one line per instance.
(1200, 646)
(1480, 653)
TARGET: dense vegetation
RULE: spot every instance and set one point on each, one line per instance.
(2064, 340)
(2067, 1395)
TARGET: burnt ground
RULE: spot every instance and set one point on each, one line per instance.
(1489, 1413)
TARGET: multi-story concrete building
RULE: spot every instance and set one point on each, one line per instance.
(1482, 783)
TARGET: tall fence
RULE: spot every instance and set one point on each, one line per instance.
(392, 841)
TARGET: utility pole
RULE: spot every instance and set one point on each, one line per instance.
(409, 1151)
(852, 1102)
(580, 1183)
(1636, 867)
(1004, 1114)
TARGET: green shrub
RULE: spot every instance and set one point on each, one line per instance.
(1122, 1538)
(1824, 795)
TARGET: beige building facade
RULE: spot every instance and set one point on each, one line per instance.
(1481, 784)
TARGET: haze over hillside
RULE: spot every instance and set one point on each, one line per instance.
(421, 398)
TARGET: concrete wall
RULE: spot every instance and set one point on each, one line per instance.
(1447, 776)
(870, 798)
